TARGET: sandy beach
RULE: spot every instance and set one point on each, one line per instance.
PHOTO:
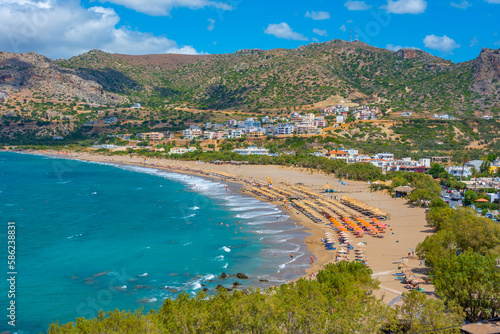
(385, 256)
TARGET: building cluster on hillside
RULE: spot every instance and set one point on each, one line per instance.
(384, 161)
(253, 128)
(342, 113)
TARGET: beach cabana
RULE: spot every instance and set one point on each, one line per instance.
(327, 188)
(402, 191)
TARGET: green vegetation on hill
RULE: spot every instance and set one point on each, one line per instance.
(281, 78)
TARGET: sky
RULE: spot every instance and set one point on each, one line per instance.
(451, 29)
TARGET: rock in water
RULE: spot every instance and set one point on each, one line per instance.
(241, 276)
(223, 275)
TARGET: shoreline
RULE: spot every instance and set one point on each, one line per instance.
(382, 254)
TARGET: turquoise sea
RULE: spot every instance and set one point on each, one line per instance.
(94, 236)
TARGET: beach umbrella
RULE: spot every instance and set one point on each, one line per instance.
(327, 187)
(360, 244)
(418, 281)
(482, 200)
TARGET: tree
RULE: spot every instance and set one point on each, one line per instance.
(485, 167)
(419, 313)
(469, 197)
(472, 281)
(436, 170)
(491, 157)
(422, 196)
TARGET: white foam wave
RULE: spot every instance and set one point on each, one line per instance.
(194, 208)
(75, 236)
(255, 214)
(144, 275)
(226, 249)
(219, 258)
(296, 256)
(248, 208)
(269, 231)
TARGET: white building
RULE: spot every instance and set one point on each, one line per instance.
(192, 133)
(340, 119)
(236, 134)
(208, 135)
(181, 150)
(460, 171)
(425, 162)
(384, 156)
(251, 151)
(284, 129)
(350, 152)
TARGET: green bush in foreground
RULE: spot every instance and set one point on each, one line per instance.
(339, 301)
(462, 255)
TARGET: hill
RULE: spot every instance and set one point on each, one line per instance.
(257, 79)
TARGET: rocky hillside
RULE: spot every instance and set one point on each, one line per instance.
(409, 79)
(29, 75)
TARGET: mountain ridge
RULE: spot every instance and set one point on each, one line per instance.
(250, 79)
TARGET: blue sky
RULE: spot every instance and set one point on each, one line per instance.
(452, 29)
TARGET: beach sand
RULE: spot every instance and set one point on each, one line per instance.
(407, 224)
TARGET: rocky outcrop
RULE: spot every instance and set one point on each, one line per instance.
(486, 72)
(29, 73)
(4, 97)
(241, 276)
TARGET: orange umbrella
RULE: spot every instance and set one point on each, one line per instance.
(482, 200)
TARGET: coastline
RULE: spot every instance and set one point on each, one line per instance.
(409, 223)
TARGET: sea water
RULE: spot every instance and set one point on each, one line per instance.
(93, 237)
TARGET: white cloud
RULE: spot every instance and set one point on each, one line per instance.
(211, 26)
(357, 5)
(314, 39)
(393, 47)
(462, 5)
(492, 1)
(443, 44)
(497, 43)
(283, 30)
(320, 32)
(406, 6)
(318, 16)
(66, 29)
(163, 7)
(474, 42)
(343, 27)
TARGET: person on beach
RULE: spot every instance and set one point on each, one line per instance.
(291, 256)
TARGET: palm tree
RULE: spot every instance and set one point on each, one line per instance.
(465, 158)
